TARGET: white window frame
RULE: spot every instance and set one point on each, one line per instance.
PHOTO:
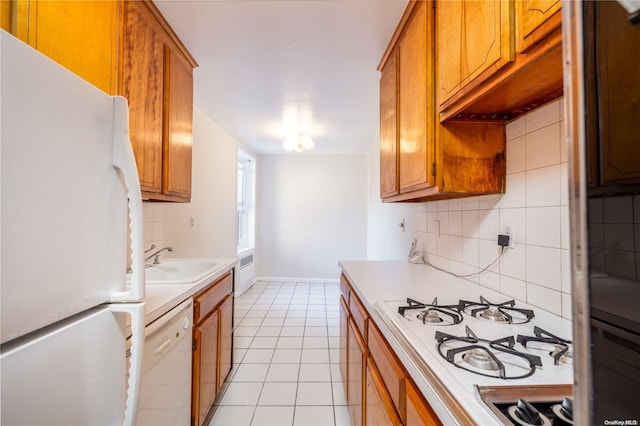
(245, 231)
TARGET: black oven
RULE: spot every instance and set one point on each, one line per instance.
(602, 99)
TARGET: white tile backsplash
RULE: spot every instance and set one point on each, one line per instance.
(153, 217)
(515, 129)
(516, 155)
(544, 298)
(470, 223)
(618, 209)
(513, 287)
(544, 266)
(514, 262)
(535, 204)
(543, 116)
(515, 194)
(543, 187)
(543, 226)
(543, 147)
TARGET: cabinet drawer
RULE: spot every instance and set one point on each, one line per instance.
(345, 288)
(206, 301)
(389, 367)
(359, 314)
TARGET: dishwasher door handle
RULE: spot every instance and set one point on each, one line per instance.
(162, 347)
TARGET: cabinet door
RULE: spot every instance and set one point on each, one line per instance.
(388, 367)
(618, 94)
(142, 85)
(179, 124)
(344, 344)
(419, 412)
(534, 21)
(357, 353)
(205, 361)
(82, 36)
(379, 410)
(226, 339)
(389, 127)
(416, 82)
(473, 37)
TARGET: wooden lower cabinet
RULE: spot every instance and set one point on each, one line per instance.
(212, 345)
(379, 408)
(419, 412)
(355, 387)
(226, 340)
(205, 362)
(378, 389)
(344, 344)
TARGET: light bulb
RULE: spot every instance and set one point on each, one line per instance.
(289, 143)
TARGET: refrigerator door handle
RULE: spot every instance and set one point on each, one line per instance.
(136, 311)
(124, 161)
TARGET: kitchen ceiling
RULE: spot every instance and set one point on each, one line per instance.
(270, 68)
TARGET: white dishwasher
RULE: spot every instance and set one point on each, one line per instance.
(165, 394)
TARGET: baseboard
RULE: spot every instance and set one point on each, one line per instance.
(299, 280)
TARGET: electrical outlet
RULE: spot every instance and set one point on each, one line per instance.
(510, 230)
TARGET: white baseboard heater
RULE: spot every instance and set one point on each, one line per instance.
(246, 261)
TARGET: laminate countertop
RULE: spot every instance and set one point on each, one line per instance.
(381, 285)
(161, 298)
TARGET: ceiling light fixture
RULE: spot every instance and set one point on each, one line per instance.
(299, 142)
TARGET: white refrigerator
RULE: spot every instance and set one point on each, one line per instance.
(70, 199)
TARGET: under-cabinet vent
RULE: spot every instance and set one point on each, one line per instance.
(246, 261)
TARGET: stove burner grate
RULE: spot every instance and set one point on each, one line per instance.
(561, 347)
(483, 355)
(497, 312)
(433, 313)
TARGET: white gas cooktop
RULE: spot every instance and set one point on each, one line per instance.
(460, 380)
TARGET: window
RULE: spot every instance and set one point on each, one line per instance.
(246, 201)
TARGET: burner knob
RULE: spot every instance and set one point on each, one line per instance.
(527, 413)
(567, 408)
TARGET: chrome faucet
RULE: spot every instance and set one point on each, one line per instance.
(156, 255)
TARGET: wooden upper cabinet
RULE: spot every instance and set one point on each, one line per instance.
(179, 122)
(82, 36)
(474, 40)
(389, 127)
(407, 136)
(618, 94)
(142, 85)
(157, 79)
(497, 59)
(127, 48)
(534, 20)
(415, 119)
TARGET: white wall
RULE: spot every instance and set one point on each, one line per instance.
(461, 235)
(311, 213)
(213, 199)
(386, 239)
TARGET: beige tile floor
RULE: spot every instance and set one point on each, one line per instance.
(286, 369)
